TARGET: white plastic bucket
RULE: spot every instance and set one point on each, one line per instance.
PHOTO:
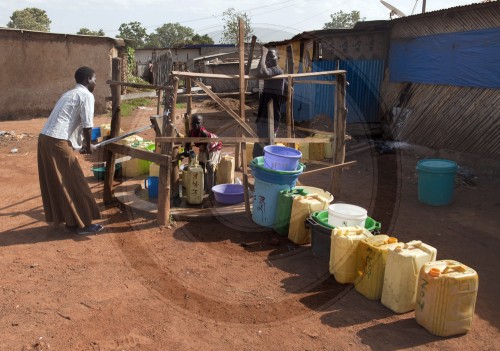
(345, 215)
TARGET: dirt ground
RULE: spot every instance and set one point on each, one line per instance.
(224, 283)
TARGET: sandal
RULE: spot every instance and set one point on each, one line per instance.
(90, 229)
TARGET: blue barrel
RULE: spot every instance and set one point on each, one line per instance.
(265, 199)
(436, 181)
(267, 186)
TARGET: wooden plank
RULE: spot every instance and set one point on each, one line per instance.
(243, 146)
(239, 140)
(340, 165)
(137, 153)
(158, 101)
(327, 82)
(241, 66)
(340, 128)
(316, 131)
(289, 108)
(115, 130)
(270, 121)
(237, 118)
(115, 82)
(154, 123)
(228, 94)
(236, 76)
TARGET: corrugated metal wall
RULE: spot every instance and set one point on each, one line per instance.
(463, 119)
(363, 92)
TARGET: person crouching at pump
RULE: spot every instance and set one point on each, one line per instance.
(209, 153)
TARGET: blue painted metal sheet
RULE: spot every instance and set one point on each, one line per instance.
(363, 92)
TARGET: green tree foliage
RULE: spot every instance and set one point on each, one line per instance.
(170, 35)
(342, 20)
(30, 18)
(86, 31)
(133, 31)
(230, 33)
(198, 39)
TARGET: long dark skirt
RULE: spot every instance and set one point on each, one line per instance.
(66, 195)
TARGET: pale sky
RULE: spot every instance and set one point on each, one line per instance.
(205, 16)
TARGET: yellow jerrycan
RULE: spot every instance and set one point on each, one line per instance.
(302, 207)
(225, 170)
(371, 258)
(446, 297)
(194, 182)
(343, 245)
(403, 265)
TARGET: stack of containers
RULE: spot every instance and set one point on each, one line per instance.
(277, 170)
(321, 232)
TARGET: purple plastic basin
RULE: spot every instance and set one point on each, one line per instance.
(228, 193)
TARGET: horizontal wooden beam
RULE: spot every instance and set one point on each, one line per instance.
(327, 82)
(137, 85)
(236, 76)
(340, 165)
(240, 140)
(138, 153)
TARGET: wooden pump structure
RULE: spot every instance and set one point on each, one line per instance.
(166, 136)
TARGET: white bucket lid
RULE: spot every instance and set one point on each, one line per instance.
(347, 211)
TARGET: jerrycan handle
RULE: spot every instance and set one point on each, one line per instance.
(454, 268)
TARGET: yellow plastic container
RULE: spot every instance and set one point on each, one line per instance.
(318, 191)
(327, 147)
(316, 151)
(105, 129)
(343, 245)
(194, 183)
(371, 258)
(249, 153)
(446, 297)
(302, 207)
(225, 170)
(401, 274)
(304, 148)
(154, 170)
(135, 166)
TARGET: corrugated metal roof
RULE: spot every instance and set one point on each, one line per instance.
(360, 27)
(483, 5)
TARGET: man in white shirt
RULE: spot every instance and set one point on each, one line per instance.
(66, 195)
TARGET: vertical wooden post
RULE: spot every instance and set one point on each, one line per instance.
(270, 120)
(164, 181)
(241, 148)
(115, 130)
(158, 102)
(190, 98)
(340, 130)
(289, 121)
(241, 80)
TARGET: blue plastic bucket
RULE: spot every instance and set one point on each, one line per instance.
(436, 181)
(277, 177)
(265, 200)
(151, 183)
(96, 133)
(281, 158)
